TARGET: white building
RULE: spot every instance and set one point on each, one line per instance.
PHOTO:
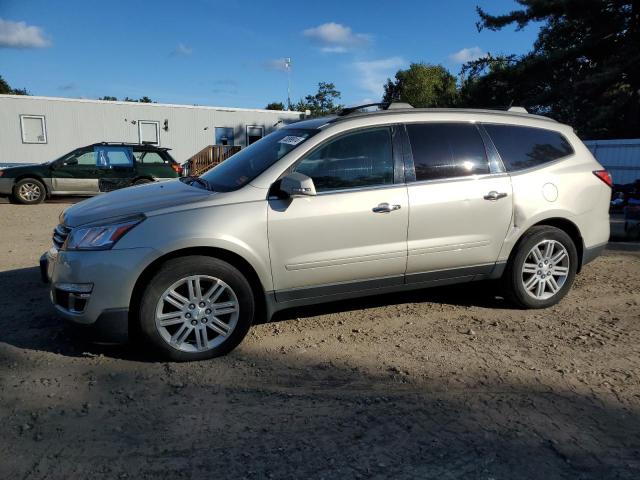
(37, 129)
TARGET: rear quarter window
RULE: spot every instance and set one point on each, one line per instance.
(527, 147)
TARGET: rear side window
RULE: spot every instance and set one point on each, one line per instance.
(526, 147)
(447, 150)
(361, 159)
(148, 158)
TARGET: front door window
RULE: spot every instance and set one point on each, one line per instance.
(355, 160)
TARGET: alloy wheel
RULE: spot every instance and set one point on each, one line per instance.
(197, 313)
(545, 269)
(30, 192)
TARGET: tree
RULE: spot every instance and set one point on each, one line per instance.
(322, 102)
(583, 68)
(275, 106)
(108, 98)
(144, 99)
(422, 85)
(7, 90)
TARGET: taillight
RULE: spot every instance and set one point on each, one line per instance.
(177, 168)
(604, 176)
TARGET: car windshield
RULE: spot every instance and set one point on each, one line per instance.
(250, 162)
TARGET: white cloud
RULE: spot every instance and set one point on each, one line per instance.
(336, 38)
(466, 55)
(21, 35)
(182, 50)
(374, 73)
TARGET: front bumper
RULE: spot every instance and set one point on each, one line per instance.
(94, 287)
(6, 186)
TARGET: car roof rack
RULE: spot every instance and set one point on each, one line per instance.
(132, 144)
(381, 106)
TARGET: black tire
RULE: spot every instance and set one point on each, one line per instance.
(513, 276)
(179, 268)
(29, 191)
(142, 181)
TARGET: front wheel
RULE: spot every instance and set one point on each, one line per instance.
(196, 308)
(543, 268)
(29, 191)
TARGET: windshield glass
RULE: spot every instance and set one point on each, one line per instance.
(250, 162)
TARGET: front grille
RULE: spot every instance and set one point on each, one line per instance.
(60, 234)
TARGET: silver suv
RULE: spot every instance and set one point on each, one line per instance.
(358, 204)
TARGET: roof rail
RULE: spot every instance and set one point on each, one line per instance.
(381, 106)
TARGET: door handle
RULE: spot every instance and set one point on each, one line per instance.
(493, 195)
(385, 208)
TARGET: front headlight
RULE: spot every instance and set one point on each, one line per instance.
(100, 237)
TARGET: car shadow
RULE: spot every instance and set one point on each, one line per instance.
(28, 320)
(484, 294)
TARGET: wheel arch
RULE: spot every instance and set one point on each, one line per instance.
(228, 256)
(567, 226)
(36, 176)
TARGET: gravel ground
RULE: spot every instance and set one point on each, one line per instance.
(442, 383)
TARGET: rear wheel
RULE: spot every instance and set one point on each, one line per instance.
(543, 268)
(29, 191)
(196, 308)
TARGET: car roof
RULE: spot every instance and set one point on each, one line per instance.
(142, 146)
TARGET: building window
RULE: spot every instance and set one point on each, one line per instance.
(224, 136)
(149, 132)
(254, 134)
(34, 129)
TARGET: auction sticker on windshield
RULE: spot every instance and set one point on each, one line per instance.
(292, 140)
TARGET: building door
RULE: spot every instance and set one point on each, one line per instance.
(254, 134)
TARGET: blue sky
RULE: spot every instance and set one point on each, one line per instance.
(229, 53)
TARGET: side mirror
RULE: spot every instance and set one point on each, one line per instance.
(70, 162)
(297, 185)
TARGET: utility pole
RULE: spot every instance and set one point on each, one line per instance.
(287, 66)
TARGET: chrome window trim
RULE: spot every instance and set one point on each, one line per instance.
(458, 179)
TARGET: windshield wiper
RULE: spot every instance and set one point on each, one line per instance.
(191, 179)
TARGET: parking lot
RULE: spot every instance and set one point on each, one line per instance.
(441, 383)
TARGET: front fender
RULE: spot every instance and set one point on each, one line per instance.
(238, 228)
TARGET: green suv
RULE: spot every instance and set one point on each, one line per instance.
(90, 170)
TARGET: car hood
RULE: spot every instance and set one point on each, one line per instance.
(17, 169)
(133, 201)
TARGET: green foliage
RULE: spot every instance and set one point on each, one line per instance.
(422, 85)
(321, 103)
(275, 106)
(7, 90)
(584, 68)
(108, 98)
(144, 99)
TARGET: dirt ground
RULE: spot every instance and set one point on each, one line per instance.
(443, 383)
